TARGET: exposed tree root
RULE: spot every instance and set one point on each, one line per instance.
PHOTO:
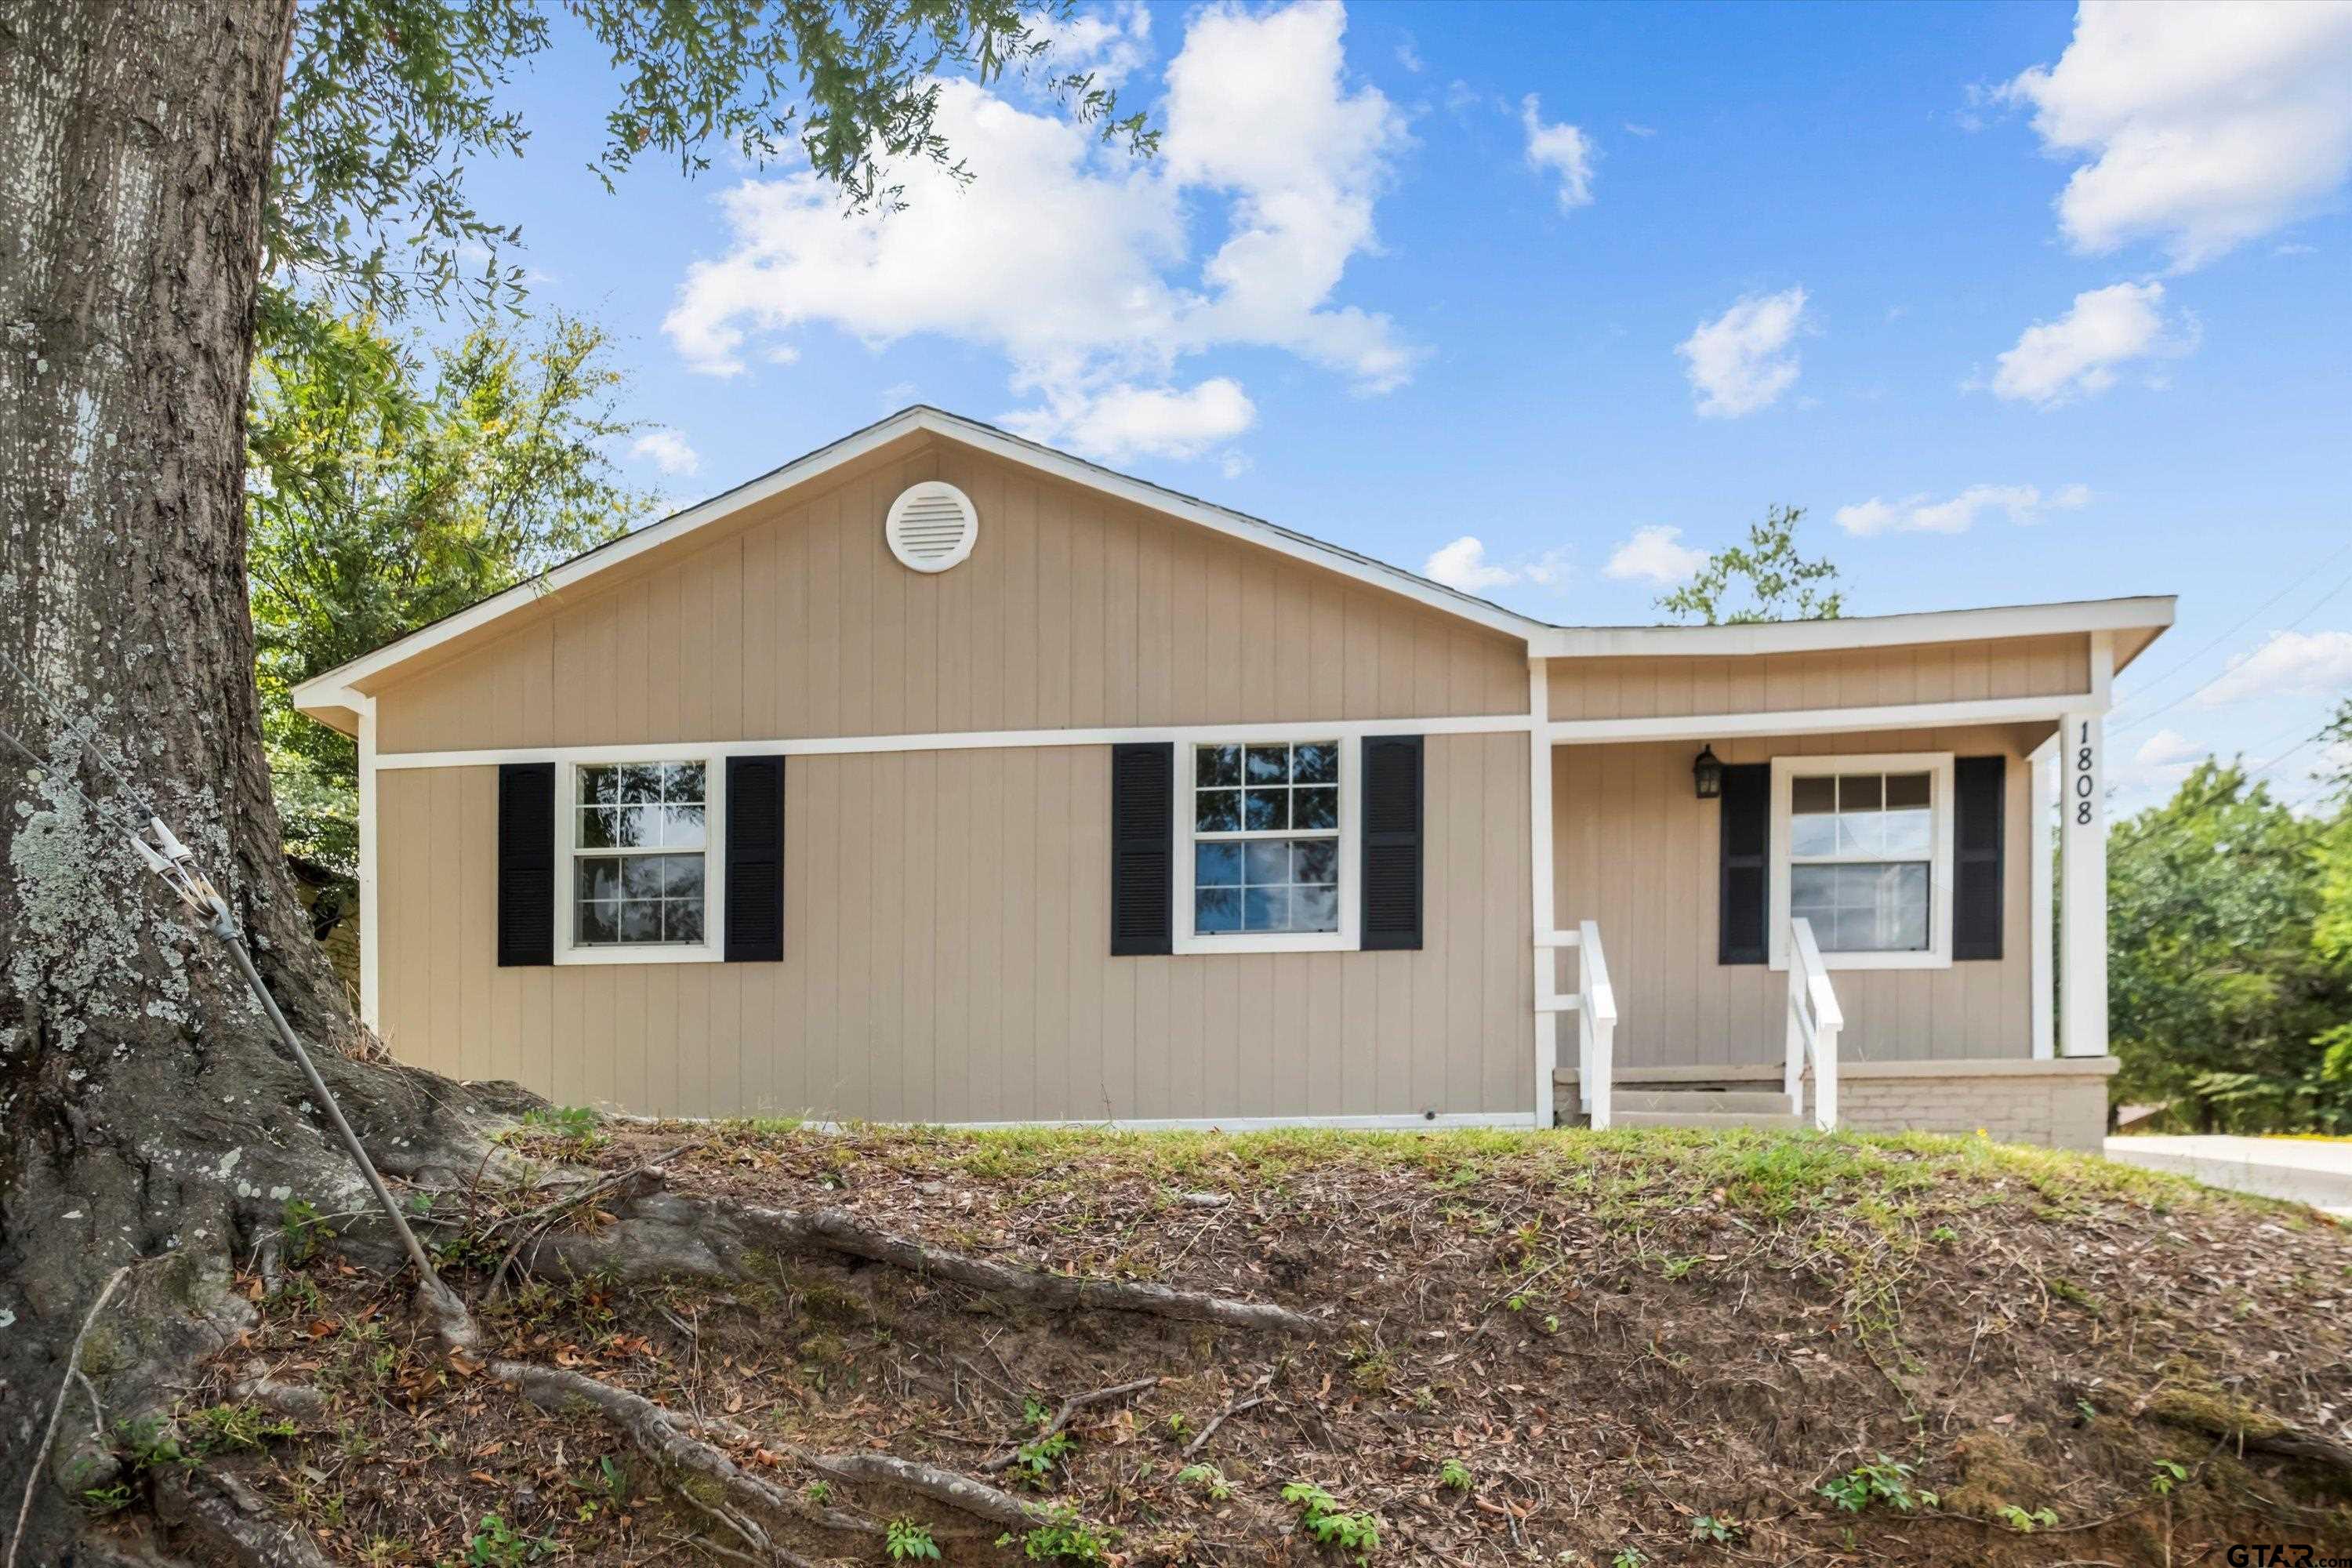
(662, 1437)
(948, 1486)
(660, 1235)
(836, 1230)
(2264, 1436)
(219, 1507)
(748, 1530)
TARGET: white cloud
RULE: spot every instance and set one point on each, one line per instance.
(1109, 44)
(1918, 514)
(2205, 124)
(1741, 361)
(1463, 564)
(2162, 761)
(1119, 422)
(1561, 149)
(666, 450)
(1408, 55)
(1074, 261)
(2077, 354)
(2291, 664)
(1653, 556)
(1634, 130)
(2167, 747)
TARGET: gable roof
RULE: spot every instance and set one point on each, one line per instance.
(337, 689)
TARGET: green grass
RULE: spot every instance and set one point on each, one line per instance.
(1769, 1175)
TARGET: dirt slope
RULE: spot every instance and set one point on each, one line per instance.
(1611, 1348)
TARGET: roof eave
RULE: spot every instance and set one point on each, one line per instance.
(339, 687)
(2145, 612)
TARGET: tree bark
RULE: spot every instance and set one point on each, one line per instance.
(147, 1108)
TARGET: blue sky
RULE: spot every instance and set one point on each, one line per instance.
(2020, 303)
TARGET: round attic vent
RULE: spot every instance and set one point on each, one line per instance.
(931, 526)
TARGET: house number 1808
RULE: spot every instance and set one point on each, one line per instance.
(2085, 777)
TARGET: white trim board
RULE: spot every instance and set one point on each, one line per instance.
(370, 929)
(1820, 721)
(1860, 632)
(971, 741)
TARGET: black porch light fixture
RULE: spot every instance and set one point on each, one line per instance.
(1706, 772)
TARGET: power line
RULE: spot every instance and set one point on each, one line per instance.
(2317, 605)
(2303, 576)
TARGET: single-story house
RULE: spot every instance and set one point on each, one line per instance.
(940, 776)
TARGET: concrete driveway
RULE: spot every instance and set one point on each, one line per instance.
(2307, 1170)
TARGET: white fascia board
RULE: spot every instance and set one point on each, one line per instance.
(336, 688)
(1856, 632)
(1818, 721)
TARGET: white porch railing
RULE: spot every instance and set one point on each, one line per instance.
(1595, 1007)
(1814, 1021)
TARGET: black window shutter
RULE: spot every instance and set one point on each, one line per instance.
(1746, 863)
(1980, 787)
(755, 860)
(526, 864)
(1143, 848)
(1391, 859)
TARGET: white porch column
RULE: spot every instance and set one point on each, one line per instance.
(2040, 891)
(1540, 870)
(2083, 807)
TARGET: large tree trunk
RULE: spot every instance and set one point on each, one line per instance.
(147, 1109)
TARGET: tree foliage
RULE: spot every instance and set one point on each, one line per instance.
(2222, 997)
(1763, 580)
(387, 488)
(386, 101)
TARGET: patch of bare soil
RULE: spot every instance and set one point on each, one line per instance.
(1613, 1349)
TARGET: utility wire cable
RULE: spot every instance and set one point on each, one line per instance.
(2240, 624)
(68, 723)
(2146, 718)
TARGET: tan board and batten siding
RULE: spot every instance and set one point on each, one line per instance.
(947, 959)
(947, 920)
(1076, 610)
(1635, 849)
(1652, 687)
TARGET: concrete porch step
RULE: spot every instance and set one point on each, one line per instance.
(1759, 1103)
(1715, 1120)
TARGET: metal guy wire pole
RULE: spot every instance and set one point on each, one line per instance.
(175, 864)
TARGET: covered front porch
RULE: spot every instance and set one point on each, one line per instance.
(1818, 887)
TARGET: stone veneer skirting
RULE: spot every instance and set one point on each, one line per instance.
(2062, 1103)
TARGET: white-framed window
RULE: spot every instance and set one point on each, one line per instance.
(1268, 844)
(1861, 848)
(639, 876)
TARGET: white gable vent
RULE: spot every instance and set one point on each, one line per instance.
(931, 526)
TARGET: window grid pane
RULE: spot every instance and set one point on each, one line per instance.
(1265, 818)
(1859, 848)
(630, 887)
